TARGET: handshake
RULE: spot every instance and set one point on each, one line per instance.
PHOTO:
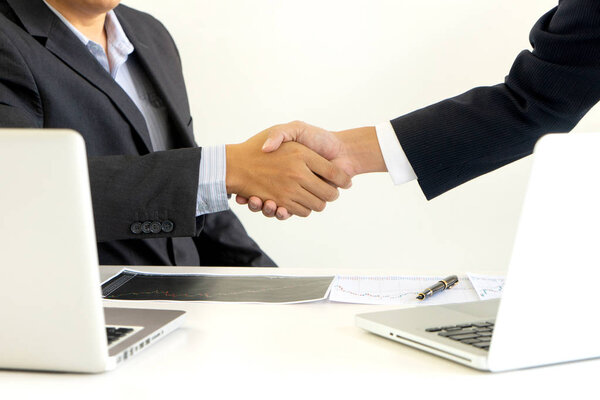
(296, 168)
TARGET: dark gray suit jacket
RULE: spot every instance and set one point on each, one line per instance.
(48, 79)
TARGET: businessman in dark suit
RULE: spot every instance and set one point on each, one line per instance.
(446, 144)
(114, 75)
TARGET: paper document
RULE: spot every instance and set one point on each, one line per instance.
(135, 285)
(404, 289)
(487, 287)
(398, 290)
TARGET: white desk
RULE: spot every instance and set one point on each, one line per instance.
(307, 351)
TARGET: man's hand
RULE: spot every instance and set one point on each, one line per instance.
(319, 140)
(355, 151)
(294, 177)
(328, 144)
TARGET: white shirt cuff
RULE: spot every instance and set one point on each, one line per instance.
(212, 193)
(395, 160)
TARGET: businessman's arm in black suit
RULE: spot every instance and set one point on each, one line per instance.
(547, 90)
(449, 143)
(152, 183)
(131, 187)
(125, 188)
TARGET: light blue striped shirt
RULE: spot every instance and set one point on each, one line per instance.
(212, 194)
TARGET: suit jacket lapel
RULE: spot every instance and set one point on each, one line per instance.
(160, 77)
(72, 52)
(42, 23)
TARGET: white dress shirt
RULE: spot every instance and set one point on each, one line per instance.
(395, 159)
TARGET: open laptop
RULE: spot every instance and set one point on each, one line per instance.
(50, 302)
(549, 308)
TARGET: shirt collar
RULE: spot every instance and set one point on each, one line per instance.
(119, 46)
(117, 39)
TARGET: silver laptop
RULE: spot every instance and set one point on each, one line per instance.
(50, 303)
(549, 308)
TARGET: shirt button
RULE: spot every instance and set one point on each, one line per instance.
(155, 227)
(136, 227)
(167, 226)
(146, 226)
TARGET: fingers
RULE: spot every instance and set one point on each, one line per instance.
(302, 207)
(328, 171)
(282, 214)
(269, 208)
(298, 209)
(308, 199)
(255, 203)
(320, 189)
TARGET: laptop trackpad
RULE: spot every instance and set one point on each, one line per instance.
(479, 309)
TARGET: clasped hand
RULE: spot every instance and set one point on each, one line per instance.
(293, 177)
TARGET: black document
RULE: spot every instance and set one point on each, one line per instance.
(135, 285)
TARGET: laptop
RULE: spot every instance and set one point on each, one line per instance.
(50, 303)
(548, 312)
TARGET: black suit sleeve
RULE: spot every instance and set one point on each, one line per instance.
(547, 90)
(161, 186)
(132, 190)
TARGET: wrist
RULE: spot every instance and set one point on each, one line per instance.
(361, 147)
(233, 177)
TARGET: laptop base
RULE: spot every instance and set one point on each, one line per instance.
(408, 326)
(155, 324)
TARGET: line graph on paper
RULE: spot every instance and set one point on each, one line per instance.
(397, 290)
(136, 285)
(487, 287)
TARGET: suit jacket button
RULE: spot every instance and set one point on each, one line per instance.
(155, 227)
(136, 227)
(146, 226)
(167, 226)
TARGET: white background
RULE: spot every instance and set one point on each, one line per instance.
(339, 64)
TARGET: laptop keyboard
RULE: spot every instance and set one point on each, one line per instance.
(114, 333)
(478, 334)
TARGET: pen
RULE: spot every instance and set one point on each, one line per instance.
(444, 284)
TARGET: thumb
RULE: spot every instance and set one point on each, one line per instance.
(278, 134)
(273, 141)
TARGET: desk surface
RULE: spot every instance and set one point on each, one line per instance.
(309, 350)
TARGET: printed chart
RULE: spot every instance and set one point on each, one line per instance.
(134, 285)
(397, 290)
(487, 287)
